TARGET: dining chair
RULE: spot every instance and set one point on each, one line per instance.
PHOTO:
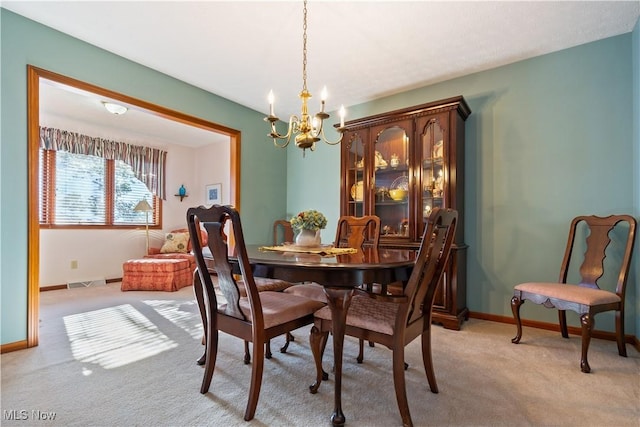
(396, 320)
(591, 237)
(282, 227)
(262, 284)
(351, 232)
(256, 318)
(357, 231)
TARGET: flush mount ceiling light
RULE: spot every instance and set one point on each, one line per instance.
(307, 129)
(114, 108)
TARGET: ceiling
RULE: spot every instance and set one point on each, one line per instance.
(361, 50)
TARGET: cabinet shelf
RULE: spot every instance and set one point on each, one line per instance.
(391, 170)
(392, 203)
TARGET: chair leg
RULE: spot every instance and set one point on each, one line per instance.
(562, 318)
(317, 342)
(427, 360)
(400, 386)
(516, 302)
(256, 380)
(247, 355)
(289, 338)
(267, 349)
(622, 349)
(360, 351)
(211, 352)
(587, 325)
(201, 360)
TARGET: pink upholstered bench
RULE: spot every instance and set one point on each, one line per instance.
(152, 274)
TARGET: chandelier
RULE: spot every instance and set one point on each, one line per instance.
(307, 129)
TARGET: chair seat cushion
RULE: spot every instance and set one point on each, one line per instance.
(308, 290)
(279, 308)
(367, 313)
(566, 292)
(265, 284)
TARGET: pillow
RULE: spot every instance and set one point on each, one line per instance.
(175, 242)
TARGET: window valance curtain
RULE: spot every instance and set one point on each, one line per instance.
(148, 164)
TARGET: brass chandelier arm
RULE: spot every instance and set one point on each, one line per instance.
(336, 142)
(293, 126)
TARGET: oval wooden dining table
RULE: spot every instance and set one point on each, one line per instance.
(339, 275)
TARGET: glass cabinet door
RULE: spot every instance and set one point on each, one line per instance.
(391, 164)
(434, 173)
(355, 184)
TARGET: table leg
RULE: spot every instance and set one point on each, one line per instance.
(339, 300)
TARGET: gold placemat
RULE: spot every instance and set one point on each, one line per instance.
(321, 250)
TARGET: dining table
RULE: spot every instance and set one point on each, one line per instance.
(339, 274)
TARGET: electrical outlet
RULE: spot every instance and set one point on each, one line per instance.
(74, 264)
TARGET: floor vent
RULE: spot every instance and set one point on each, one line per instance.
(87, 283)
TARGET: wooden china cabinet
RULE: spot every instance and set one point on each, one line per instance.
(398, 166)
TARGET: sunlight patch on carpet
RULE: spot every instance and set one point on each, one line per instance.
(114, 336)
(184, 314)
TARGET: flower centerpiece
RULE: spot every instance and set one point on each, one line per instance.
(309, 223)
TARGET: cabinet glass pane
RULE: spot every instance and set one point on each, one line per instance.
(355, 177)
(433, 171)
(391, 178)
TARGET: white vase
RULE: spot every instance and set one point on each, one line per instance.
(308, 238)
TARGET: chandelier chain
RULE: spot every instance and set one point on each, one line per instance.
(304, 48)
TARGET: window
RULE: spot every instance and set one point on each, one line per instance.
(85, 190)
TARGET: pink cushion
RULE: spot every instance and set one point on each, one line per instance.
(156, 275)
(189, 257)
(367, 313)
(309, 290)
(572, 293)
(155, 265)
(264, 284)
(279, 308)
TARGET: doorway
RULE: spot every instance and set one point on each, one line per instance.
(36, 77)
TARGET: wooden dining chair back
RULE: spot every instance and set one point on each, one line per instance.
(395, 321)
(357, 231)
(256, 318)
(282, 232)
(590, 236)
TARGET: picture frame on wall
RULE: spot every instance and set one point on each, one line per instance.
(214, 194)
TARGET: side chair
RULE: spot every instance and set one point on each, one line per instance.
(396, 320)
(256, 318)
(357, 231)
(262, 283)
(590, 237)
(351, 232)
(282, 227)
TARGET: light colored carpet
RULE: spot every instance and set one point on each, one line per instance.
(111, 358)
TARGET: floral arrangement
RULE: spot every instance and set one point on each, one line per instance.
(309, 220)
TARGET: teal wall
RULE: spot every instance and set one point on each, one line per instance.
(548, 139)
(23, 42)
(636, 156)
